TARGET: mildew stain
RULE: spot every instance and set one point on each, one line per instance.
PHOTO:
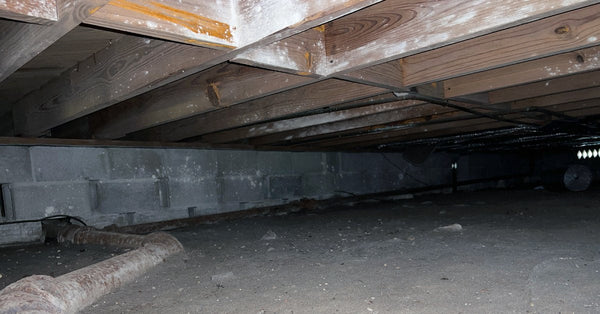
(191, 21)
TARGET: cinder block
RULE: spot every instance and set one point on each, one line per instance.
(15, 165)
(69, 163)
(317, 185)
(381, 182)
(351, 182)
(361, 162)
(332, 162)
(200, 192)
(274, 163)
(128, 196)
(135, 163)
(242, 188)
(36, 200)
(20, 233)
(308, 163)
(236, 163)
(189, 163)
(285, 187)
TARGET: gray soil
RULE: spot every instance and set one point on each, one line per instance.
(518, 251)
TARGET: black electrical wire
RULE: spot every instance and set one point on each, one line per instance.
(53, 217)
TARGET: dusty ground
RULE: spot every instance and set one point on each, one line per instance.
(518, 251)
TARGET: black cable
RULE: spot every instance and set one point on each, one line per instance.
(404, 172)
(446, 103)
(53, 217)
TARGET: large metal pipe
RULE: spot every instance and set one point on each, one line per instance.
(74, 291)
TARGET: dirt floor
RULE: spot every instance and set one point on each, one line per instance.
(518, 251)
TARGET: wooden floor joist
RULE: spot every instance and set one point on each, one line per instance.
(31, 11)
(297, 74)
(129, 67)
(21, 42)
(297, 100)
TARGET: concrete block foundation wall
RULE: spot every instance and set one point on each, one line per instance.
(125, 186)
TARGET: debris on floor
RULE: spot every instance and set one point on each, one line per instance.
(220, 279)
(269, 236)
(449, 228)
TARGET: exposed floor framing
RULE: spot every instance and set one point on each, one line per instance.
(302, 75)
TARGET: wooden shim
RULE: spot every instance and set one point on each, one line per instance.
(313, 96)
(565, 32)
(553, 86)
(128, 67)
(21, 42)
(221, 86)
(541, 69)
(31, 11)
(398, 28)
(302, 122)
(202, 23)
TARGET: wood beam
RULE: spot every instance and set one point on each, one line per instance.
(219, 87)
(310, 97)
(302, 54)
(578, 108)
(377, 138)
(386, 75)
(128, 67)
(558, 85)
(398, 28)
(203, 23)
(21, 42)
(31, 11)
(351, 125)
(221, 24)
(565, 32)
(302, 122)
(569, 63)
(555, 99)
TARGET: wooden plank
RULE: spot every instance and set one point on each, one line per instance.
(553, 86)
(386, 75)
(128, 67)
(372, 139)
(259, 20)
(441, 130)
(202, 23)
(555, 99)
(302, 54)
(398, 28)
(589, 108)
(577, 108)
(351, 125)
(302, 122)
(310, 97)
(221, 86)
(20, 42)
(31, 11)
(221, 24)
(36, 141)
(565, 32)
(574, 62)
